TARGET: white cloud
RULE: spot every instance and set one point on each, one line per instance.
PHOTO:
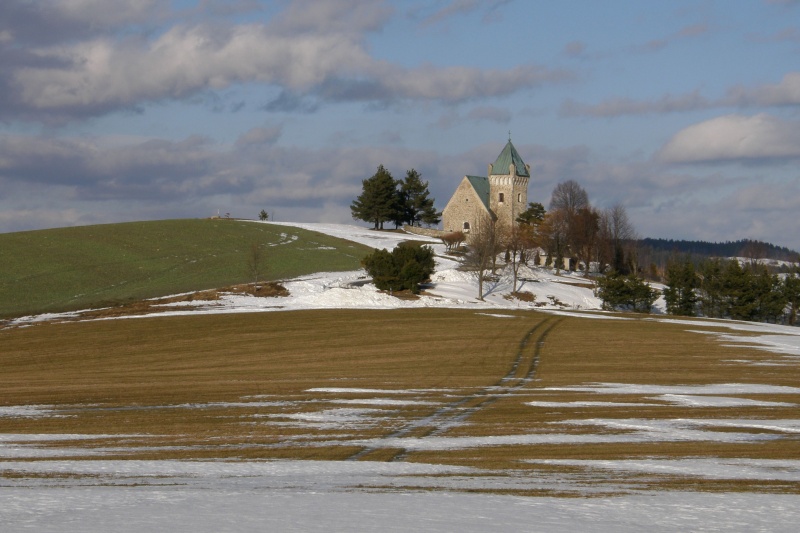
(259, 136)
(784, 93)
(615, 107)
(734, 138)
(464, 7)
(108, 13)
(787, 92)
(490, 113)
(761, 211)
(102, 74)
(333, 16)
(456, 84)
(184, 60)
(90, 180)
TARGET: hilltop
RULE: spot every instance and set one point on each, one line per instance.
(322, 287)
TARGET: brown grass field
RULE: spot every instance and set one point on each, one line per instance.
(238, 386)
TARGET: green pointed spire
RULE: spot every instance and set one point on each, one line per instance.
(509, 156)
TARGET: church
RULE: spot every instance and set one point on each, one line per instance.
(501, 196)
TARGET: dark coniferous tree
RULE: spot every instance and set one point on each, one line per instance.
(751, 292)
(711, 288)
(628, 292)
(791, 291)
(680, 292)
(739, 292)
(404, 268)
(533, 215)
(417, 206)
(378, 201)
(770, 297)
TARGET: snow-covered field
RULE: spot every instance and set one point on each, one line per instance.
(45, 488)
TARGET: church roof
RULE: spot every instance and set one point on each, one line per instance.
(481, 186)
(509, 156)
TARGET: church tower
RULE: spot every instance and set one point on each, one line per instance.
(508, 185)
(502, 195)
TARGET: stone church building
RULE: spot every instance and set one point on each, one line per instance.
(501, 196)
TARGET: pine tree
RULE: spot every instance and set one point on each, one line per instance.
(378, 201)
(417, 207)
(711, 289)
(680, 293)
(625, 292)
(791, 291)
(533, 215)
(770, 298)
(738, 292)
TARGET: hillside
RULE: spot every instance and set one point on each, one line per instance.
(73, 268)
(503, 410)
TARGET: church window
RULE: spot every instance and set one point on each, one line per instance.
(501, 198)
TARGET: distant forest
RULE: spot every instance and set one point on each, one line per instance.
(659, 251)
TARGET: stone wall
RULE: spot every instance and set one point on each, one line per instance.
(427, 232)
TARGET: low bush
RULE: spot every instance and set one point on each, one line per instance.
(404, 268)
(454, 240)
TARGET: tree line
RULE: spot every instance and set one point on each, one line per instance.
(728, 288)
(385, 199)
(572, 228)
(747, 248)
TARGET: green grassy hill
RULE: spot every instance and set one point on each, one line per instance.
(79, 267)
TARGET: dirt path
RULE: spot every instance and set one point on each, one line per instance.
(521, 373)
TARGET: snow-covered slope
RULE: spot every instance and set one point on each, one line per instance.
(450, 287)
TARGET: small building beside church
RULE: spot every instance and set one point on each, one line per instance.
(500, 196)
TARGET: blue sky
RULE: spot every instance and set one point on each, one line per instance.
(685, 112)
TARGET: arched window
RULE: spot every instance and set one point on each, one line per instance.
(519, 196)
(501, 198)
(466, 227)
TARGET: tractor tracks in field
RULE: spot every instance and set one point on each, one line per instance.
(521, 373)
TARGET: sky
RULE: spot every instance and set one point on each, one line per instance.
(687, 113)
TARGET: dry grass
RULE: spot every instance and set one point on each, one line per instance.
(269, 289)
(523, 296)
(172, 381)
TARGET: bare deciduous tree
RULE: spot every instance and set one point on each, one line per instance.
(618, 239)
(567, 202)
(484, 245)
(583, 233)
(254, 262)
(554, 230)
(569, 197)
(521, 240)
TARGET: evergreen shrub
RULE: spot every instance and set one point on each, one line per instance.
(404, 268)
